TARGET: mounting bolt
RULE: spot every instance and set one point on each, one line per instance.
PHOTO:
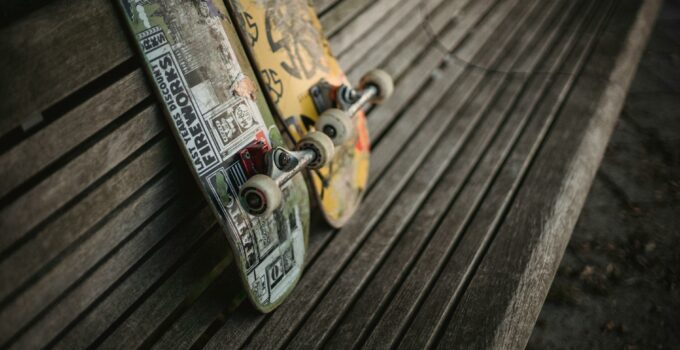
(330, 131)
(284, 160)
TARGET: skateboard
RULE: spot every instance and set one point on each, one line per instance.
(308, 91)
(222, 123)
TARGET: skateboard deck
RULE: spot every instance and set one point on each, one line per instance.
(288, 47)
(215, 108)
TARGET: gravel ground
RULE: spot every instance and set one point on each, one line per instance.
(618, 286)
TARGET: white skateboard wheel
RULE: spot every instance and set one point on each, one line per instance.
(260, 195)
(337, 124)
(321, 144)
(382, 81)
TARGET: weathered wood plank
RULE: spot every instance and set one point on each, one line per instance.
(341, 13)
(406, 41)
(426, 68)
(395, 26)
(142, 270)
(188, 328)
(424, 271)
(30, 302)
(50, 143)
(129, 222)
(469, 18)
(183, 286)
(236, 329)
(13, 10)
(322, 6)
(541, 107)
(567, 160)
(366, 21)
(23, 263)
(65, 55)
(329, 312)
(103, 275)
(432, 94)
(25, 213)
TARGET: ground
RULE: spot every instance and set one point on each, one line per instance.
(618, 285)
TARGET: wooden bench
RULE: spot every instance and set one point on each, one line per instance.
(481, 163)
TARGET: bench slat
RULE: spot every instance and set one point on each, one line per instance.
(49, 144)
(187, 330)
(51, 241)
(127, 222)
(479, 231)
(43, 200)
(341, 14)
(353, 327)
(426, 66)
(191, 279)
(569, 158)
(65, 54)
(144, 267)
(362, 24)
(397, 24)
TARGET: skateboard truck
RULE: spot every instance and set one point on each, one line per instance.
(337, 122)
(261, 194)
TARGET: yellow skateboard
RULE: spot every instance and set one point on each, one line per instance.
(308, 91)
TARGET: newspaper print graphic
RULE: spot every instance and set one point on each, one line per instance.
(211, 105)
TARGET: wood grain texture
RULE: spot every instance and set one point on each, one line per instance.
(376, 295)
(364, 23)
(536, 108)
(83, 217)
(65, 54)
(425, 270)
(423, 68)
(567, 160)
(342, 13)
(190, 280)
(111, 268)
(128, 221)
(41, 201)
(49, 144)
(107, 243)
(140, 268)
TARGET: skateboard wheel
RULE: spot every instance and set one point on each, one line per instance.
(382, 81)
(260, 195)
(337, 124)
(321, 144)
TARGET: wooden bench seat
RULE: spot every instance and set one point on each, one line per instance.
(481, 163)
